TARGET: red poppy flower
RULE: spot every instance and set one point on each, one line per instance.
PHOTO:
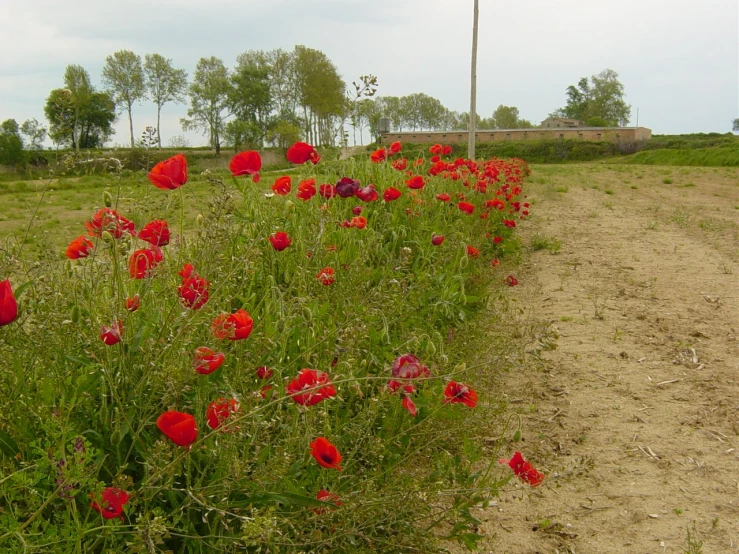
(409, 366)
(393, 385)
(416, 182)
(169, 174)
(495, 203)
(219, 411)
(378, 155)
(497, 240)
(112, 502)
(495, 262)
(511, 281)
(446, 150)
(395, 147)
(359, 222)
(206, 361)
(283, 185)
(408, 404)
(419, 161)
(265, 390)
(400, 164)
(437, 240)
(326, 276)
(390, 194)
(444, 197)
(466, 207)
(280, 240)
(155, 232)
(460, 393)
(435, 160)
(179, 427)
(328, 497)
(509, 223)
(79, 248)
(246, 163)
(472, 252)
(310, 387)
(142, 262)
(306, 189)
(346, 187)
(435, 149)
(264, 372)
(132, 303)
(357, 210)
(524, 470)
(107, 219)
(233, 326)
(194, 290)
(325, 453)
(327, 191)
(111, 335)
(367, 194)
(301, 152)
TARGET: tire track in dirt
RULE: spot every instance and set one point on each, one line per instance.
(635, 418)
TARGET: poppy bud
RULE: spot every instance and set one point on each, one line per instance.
(106, 236)
(107, 199)
(200, 220)
(517, 436)
(75, 314)
(463, 261)
(289, 205)
(431, 348)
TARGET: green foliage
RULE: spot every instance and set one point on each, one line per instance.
(164, 84)
(209, 92)
(11, 144)
(602, 96)
(123, 75)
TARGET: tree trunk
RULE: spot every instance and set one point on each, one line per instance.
(159, 133)
(472, 127)
(130, 124)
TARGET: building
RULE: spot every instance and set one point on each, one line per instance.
(613, 134)
(561, 122)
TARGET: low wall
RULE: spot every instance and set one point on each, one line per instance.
(614, 134)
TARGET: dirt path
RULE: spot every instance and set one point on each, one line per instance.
(635, 418)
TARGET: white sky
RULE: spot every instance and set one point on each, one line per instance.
(678, 60)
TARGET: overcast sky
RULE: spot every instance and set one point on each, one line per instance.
(678, 61)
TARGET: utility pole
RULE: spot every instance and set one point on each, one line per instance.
(472, 127)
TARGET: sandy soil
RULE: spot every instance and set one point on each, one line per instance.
(634, 417)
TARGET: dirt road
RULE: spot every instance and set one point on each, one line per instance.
(635, 418)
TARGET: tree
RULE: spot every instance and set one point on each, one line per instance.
(602, 96)
(735, 125)
(123, 75)
(85, 122)
(35, 134)
(209, 100)
(505, 117)
(164, 84)
(249, 100)
(11, 144)
(69, 107)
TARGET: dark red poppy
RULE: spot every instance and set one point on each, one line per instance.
(393, 385)
(169, 174)
(446, 150)
(472, 252)
(495, 203)
(306, 189)
(395, 147)
(283, 185)
(301, 152)
(416, 182)
(265, 390)
(142, 262)
(359, 222)
(220, 411)
(524, 470)
(310, 387)
(460, 393)
(466, 207)
(367, 194)
(497, 240)
(357, 210)
(280, 240)
(233, 326)
(435, 149)
(378, 155)
(246, 163)
(435, 160)
(408, 404)
(132, 303)
(79, 248)
(206, 361)
(155, 232)
(390, 194)
(409, 366)
(325, 453)
(112, 335)
(437, 240)
(194, 290)
(511, 281)
(346, 187)
(264, 372)
(112, 502)
(326, 276)
(400, 164)
(509, 223)
(327, 191)
(179, 427)
(444, 197)
(328, 497)
(107, 219)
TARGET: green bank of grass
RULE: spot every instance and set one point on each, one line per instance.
(716, 156)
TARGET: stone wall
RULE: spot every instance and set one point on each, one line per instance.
(614, 134)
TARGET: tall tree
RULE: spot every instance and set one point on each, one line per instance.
(600, 97)
(34, 133)
(11, 144)
(250, 100)
(123, 75)
(209, 92)
(77, 81)
(735, 125)
(164, 83)
(80, 123)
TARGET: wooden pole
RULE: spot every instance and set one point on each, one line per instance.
(472, 127)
